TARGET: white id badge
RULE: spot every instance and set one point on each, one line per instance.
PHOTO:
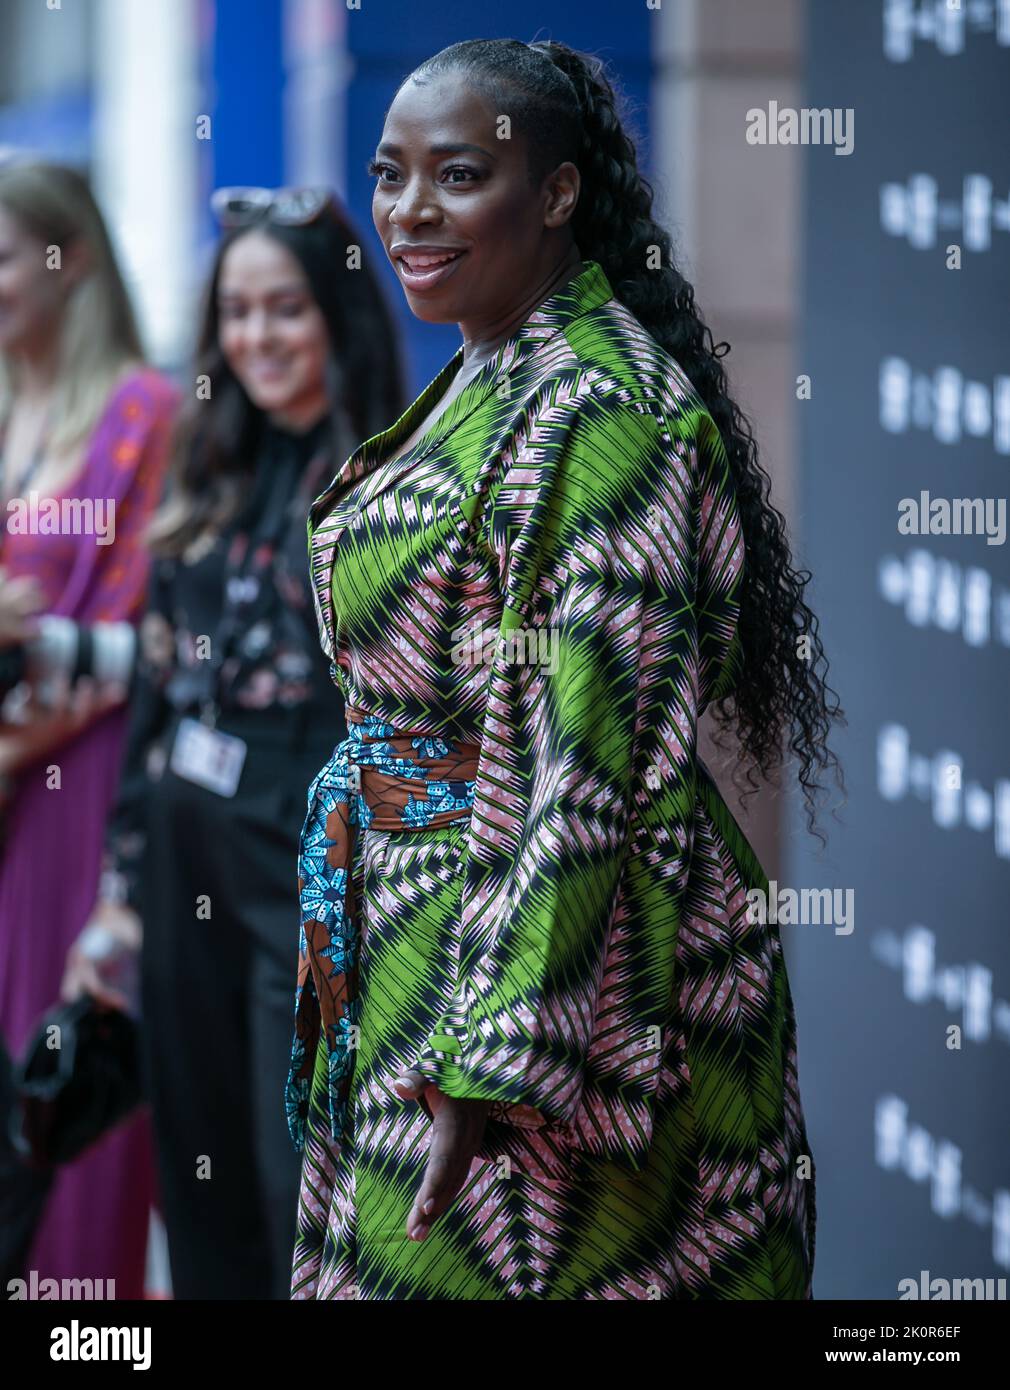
(207, 757)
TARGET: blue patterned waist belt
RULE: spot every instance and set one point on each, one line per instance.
(379, 777)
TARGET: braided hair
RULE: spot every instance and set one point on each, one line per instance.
(564, 105)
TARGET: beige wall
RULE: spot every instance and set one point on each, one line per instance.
(733, 210)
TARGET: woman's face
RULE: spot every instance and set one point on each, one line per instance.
(271, 330)
(32, 294)
(447, 184)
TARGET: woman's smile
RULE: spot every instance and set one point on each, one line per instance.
(421, 271)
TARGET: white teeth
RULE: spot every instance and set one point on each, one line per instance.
(423, 262)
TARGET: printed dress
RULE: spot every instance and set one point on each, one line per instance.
(516, 875)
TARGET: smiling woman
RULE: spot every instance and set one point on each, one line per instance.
(540, 1049)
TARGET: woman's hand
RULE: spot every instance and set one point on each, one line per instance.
(38, 728)
(456, 1133)
(112, 933)
(78, 702)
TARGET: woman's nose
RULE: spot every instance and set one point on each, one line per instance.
(259, 329)
(414, 204)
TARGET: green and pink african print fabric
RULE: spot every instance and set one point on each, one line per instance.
(550, 576)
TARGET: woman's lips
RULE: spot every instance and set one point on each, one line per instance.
(428, 276)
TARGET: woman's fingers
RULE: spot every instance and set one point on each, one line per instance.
(113, 693)
(91, 698)
(81, 977)
(444, 1172)
(59, 694)
(82, 700)
(456, 1133)
(75, 977)
(111, 932)
(409, 1085)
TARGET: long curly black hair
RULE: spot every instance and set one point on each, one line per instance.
(565, 106)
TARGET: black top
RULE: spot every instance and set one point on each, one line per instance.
(274, 683)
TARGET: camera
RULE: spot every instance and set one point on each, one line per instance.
(60, 647)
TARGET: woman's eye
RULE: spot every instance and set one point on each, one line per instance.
(376, 169)
(460, 169)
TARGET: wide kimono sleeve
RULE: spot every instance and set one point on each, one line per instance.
(579, 843)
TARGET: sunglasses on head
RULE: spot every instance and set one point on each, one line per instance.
(291, 207)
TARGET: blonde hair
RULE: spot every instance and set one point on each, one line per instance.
(98, 333)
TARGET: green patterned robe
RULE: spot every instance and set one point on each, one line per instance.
(578, 950)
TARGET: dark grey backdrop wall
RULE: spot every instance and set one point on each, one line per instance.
(904, 1021)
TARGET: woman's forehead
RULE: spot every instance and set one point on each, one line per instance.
(260, 258)
(446, 103)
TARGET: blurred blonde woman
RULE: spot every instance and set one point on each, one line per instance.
(84, 434)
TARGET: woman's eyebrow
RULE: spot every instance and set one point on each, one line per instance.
(279, 292)
(386, 148)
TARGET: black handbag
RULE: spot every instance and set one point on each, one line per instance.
(68, 1096)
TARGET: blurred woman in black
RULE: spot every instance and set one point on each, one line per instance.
(234, 710)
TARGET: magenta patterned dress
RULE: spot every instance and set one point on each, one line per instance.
(96, 1220)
